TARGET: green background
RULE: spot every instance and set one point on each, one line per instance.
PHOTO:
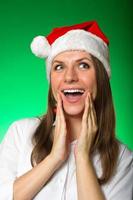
(23, 84)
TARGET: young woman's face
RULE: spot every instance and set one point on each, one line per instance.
(73, 74)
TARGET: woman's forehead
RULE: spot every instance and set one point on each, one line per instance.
(74, 54)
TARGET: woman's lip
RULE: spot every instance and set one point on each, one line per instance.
(72, 88)
(73, 99)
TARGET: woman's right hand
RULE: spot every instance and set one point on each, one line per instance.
(60, 148)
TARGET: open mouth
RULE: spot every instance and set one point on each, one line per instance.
(73, 95)
(73, 92)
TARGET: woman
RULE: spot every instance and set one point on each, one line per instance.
(71, 152)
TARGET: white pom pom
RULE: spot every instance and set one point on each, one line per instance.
(40, 47)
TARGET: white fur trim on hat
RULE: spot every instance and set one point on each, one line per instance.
(80, 40)
(40, 47)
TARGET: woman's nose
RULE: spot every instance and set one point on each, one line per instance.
(71, 75)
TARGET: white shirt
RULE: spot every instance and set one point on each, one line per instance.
(15, 153)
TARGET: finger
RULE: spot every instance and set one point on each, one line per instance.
(93, 115)
(61, 112)
(58, 117)
(59, 105)
(57, 113)
(90, 118)
(92, 110)
(85, 116)
(89, 124)
(86, 110)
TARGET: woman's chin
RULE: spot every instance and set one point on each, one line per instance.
(73, 106)
(74, 110)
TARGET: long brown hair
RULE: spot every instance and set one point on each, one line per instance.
(105, 141)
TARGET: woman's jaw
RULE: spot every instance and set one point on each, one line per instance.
(73, 105)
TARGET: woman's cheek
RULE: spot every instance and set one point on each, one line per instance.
(93, 89)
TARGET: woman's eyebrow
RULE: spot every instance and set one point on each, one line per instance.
(76, 60)
(57, 61)
(83, 59)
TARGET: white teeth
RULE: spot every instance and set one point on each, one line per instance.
(73, 90)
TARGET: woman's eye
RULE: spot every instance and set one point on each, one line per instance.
(58, 67)
(84, 65)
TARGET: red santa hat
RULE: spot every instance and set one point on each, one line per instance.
(85, 36)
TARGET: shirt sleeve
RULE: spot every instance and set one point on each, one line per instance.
(121, 185)
(9, 155)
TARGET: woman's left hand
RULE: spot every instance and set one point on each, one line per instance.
(88, 129)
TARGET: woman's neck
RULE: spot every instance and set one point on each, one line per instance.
(73, 127)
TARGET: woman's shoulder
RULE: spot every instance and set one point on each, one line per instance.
(25, 123)
(26, 126)
(121, 184)
(21, 130)
(125, 156)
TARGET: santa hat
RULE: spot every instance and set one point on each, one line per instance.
(85, 36)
